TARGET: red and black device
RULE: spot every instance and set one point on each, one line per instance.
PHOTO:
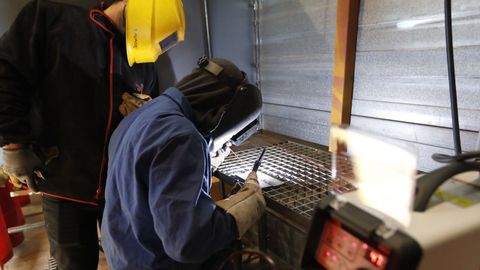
(343, 236)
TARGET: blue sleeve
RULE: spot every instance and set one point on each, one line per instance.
(185, 217)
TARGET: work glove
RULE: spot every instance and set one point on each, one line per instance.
(24, 165)
(133, 101)
(246, 206)
(3, 178)
(217, 159)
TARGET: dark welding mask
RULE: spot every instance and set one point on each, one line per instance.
(238, 120)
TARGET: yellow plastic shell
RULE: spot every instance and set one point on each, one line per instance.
(152, 27)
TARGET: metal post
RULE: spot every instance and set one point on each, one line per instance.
(451, 76)
(206, 22)
(26, 227)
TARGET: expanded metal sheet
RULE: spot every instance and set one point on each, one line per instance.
(305, 173)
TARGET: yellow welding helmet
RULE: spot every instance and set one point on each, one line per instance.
(152, 27)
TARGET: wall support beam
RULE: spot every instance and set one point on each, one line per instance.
(344, 61)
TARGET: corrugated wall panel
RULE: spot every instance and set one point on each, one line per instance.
(401, 84)
(232, 32)
(414, 133)
(309, 125)
(296, 66)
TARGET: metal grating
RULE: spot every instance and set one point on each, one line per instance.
(305, 173)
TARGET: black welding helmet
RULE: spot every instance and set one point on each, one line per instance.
(224, 104)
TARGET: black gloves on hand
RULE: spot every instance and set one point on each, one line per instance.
(24, 165)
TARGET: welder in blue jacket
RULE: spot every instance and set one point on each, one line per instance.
(158, 213)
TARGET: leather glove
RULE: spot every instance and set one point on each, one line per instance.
(3, 178)
(247, 205)
(24, 165)
(133, 101)
(217, 159)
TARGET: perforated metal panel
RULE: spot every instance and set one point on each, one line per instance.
(305, 173)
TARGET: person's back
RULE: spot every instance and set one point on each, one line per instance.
(152, 147)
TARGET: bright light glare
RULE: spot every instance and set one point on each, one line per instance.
(411, 23)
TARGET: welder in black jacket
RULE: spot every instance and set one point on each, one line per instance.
(66, 77)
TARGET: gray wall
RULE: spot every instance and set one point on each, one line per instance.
(185, 55)
(296, 66)
(232, 32)
(401, 86)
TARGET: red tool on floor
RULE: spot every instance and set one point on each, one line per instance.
(12, 214)
(6, 252)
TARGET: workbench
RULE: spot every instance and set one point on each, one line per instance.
(305, 170)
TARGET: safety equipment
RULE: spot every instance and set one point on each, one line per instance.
(3, 178)
(247, 205)
(217, 159)
(131, 102)
(239, 118)
(24, 165)
(152, 28)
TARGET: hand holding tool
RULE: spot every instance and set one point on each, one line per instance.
(248, 204)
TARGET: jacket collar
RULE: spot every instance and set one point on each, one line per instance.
(184, 106)
(103, 21)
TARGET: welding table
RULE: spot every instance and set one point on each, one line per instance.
(305, 172)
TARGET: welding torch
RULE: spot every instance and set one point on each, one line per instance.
(256, 165)
(259, 161)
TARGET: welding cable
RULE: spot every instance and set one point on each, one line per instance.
(249, 257)
(451, 76)
(443, 158)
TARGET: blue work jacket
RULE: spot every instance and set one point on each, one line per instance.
(158, 212)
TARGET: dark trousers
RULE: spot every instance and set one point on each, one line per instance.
(72, 233)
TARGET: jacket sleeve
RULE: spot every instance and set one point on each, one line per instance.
(186, 219)
(20, 56)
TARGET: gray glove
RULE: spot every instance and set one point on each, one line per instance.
(24, 165)
(217, 159)
(247, 205)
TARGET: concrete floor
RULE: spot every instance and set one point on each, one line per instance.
(33, 253)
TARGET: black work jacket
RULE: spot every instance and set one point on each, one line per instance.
(63, 70)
